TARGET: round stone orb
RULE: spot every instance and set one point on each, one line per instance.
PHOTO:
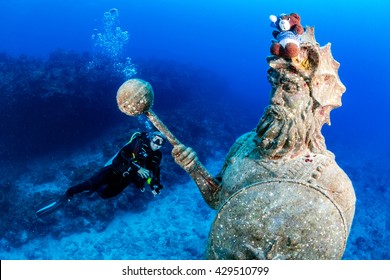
(135, 97)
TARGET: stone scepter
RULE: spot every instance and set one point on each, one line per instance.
(136, 97)
(280, 193)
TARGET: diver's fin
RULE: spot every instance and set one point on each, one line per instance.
(51, 205)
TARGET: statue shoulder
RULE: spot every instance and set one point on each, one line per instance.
(240, 142)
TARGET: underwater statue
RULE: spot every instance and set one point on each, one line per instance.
(280, 193)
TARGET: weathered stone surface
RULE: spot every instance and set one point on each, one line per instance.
(280, 193)
(299, 208)
(135, 97)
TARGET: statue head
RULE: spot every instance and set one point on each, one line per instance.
(302, 96)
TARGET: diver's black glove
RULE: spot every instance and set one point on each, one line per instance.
(143, 173)
(156, 189)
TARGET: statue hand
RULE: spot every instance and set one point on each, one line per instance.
(185, 157)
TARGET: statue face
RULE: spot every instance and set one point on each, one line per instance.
(287, 124)
(292, 93)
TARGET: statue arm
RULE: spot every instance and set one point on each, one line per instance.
(207, 184)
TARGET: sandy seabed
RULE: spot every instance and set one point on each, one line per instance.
(175, 225)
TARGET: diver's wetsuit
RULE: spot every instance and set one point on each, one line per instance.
(114, 178)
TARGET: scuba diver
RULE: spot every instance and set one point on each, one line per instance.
(138, 162)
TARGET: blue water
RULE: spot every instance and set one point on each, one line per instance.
(206, 62)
